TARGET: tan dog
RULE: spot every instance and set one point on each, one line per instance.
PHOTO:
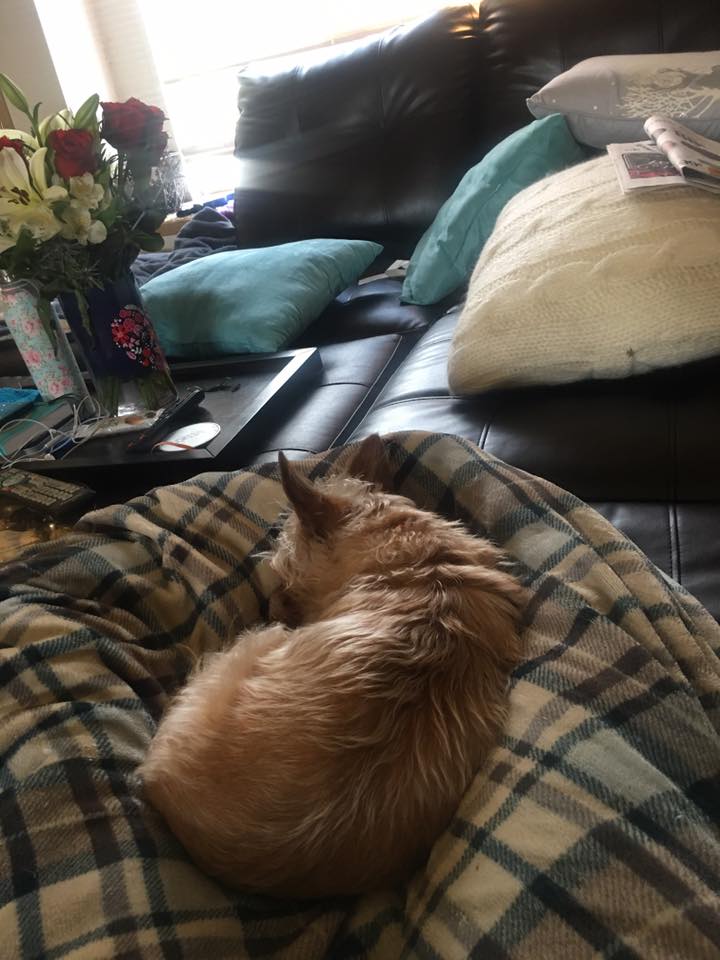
(325, 757)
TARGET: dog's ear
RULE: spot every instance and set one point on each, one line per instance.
(370, 462)
(318, 512)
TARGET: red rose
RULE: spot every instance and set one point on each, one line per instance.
(16, 145)
(74, 152)
(133, 126)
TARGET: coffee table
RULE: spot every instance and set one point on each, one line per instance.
(242, 395)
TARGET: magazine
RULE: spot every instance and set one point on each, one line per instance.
(673, 155)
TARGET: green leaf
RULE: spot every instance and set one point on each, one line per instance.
(14, 95)
(150, 242)
(60, 206)
(46, 318)
(86, 114)
(103, 175)
(150, 220)
(25, 239)
(109, 215)
(35, 120)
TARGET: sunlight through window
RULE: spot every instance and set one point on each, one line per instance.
(198, 48)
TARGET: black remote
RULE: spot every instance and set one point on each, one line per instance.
(145, 441)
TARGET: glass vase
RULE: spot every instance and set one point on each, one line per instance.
(41, 341)
(120, 347)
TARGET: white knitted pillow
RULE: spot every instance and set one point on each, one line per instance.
(579, 280)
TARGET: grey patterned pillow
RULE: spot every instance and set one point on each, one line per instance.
(607, 99)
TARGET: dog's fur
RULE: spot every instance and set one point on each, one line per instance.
(324, 755)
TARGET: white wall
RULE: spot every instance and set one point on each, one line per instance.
(99, 46)
(24, 56)
(74, 49)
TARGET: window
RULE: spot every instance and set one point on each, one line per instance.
(184, 55)
(198, 48)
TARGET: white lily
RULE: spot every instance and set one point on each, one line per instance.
(14, 178)
(84, 189)
(79, 226)
(97, 232)
(40, 221)
(25, 196)
(76, 222)
(39, 179)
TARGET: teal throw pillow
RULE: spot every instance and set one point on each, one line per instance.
(251, 301)
(448, 250)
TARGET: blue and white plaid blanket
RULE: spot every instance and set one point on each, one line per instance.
(591, 832)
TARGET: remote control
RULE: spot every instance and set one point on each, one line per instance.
(148, 438)
(44, 494)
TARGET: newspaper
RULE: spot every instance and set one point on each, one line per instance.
(673, 155)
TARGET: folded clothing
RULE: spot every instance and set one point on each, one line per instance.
(206, 233)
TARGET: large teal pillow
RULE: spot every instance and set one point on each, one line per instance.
(251, 301)
(447, 252)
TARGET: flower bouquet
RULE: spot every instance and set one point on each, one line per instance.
(80, 197)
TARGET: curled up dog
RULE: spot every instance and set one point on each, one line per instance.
(324, 754)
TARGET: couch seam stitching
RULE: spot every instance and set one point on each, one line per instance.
(369, 389)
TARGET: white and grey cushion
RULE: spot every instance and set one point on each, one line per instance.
(607, 99)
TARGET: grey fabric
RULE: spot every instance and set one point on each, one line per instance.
(208, 232)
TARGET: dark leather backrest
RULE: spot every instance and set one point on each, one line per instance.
(364, 139)
(368, 139)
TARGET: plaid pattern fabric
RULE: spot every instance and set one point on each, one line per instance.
(592, 831)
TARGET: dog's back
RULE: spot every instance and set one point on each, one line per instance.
(325, 758)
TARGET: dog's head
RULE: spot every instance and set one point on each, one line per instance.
(321, 508)
(349, 529)
(329, 518)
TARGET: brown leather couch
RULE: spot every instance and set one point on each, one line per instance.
(367, 140)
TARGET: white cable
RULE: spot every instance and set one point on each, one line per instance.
(54, 435)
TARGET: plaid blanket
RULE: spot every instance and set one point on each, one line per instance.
(592, 831)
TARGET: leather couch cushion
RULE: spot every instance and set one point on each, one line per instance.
(368, 310)
(353, 374)
(641, 450)
(638, 438)
(367, 138)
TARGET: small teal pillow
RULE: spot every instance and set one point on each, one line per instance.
(448, 250)
(251, 301)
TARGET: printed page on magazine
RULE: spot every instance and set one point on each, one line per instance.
(673, 156)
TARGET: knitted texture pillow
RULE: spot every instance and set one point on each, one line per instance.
(579, 280)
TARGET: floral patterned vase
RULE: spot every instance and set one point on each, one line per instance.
(120, 347)
(33, 325)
